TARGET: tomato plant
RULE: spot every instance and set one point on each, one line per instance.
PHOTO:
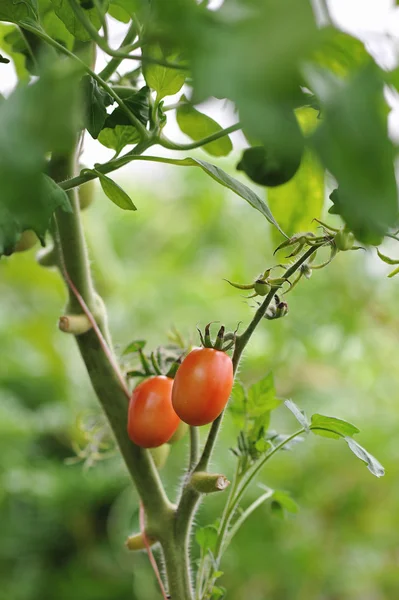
(315, 105)
(151, 418)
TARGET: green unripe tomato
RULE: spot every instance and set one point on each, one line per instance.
(179, 433)
(266, 167)
(160, 455)
(27, 240)
(86, 194)
(344, 240)
(261, 287)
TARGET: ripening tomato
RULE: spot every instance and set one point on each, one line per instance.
(151, 418)
(202, 386)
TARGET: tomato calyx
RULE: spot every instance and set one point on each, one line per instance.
(223, 341)
(162, 361)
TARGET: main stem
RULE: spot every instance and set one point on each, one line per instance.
(71, 246)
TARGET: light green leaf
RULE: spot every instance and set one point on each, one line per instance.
(340, 52)
(206, 538)
(331, 427)
(197, 126)
(115, 193)
(17, 57)
(64, 11)
(296, 203)
(298, 414)
(373, 465)
(262, 397)
(163, 80)
(238, 404)
(386, 259)
(118, 137)
(134, 347)
(285, 501)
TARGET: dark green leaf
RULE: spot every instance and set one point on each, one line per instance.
(63, 10)
(299, 201)
(206, 538)
(198, 126)
(373, 465)
(298, 414)
(30, 126)
(115, 193)
(354, 145)
(285, 501)
(118, 137)
(163, 80)
(134, 347)
(16, 11)
(137, 103)
(331, 427)
(96, 100)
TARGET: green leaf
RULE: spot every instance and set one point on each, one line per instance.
(118, 11)
(340, 52)
(30, 211)
(16, 11)
(354, 145)
(134, 347)
(118, 137)
(207, 538)
(331, 427)
(285, 501)
(18, 58)
(262, 397)
(53, 26)
(218, 592)
(386, 259)
(63, 10)
(137, 103)
(115, 193)
(163, 80)
(238, 404)
(373, 465)
(296, 203)
(197, 126)
(30, 127)
(96, 101)
(221, 177)
(298, 414)
(234, 185)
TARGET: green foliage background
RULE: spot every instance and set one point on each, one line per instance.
(63, 527)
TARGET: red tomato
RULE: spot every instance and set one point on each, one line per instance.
(151, 418)
(202, 386)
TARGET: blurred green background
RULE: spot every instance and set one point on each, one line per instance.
(63, 526)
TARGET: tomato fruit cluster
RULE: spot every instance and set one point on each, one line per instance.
(196, 396)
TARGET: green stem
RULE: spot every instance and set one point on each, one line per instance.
(121, 161)
(163, 141)
(114, 63)
(194, 447)
(71, 246)
(121, 53)
(132, 118)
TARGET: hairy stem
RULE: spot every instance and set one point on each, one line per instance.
(71, 246)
